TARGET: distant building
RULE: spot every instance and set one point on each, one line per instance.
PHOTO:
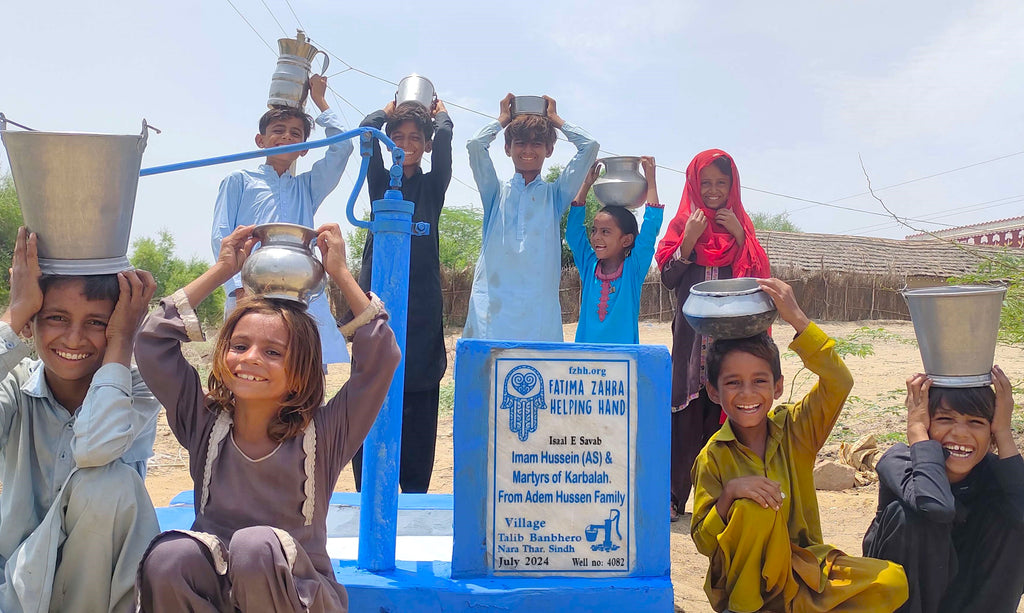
(999, 233)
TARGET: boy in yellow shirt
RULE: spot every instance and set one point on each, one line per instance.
(755, 513)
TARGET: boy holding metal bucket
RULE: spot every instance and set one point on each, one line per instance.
(271, 194)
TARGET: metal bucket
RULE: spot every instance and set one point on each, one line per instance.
(290, 84)
(529, 105)
(956, 329)
(415, 88)
(77, 193)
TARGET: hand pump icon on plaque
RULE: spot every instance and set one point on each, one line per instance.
(593, 529)
(523, 396)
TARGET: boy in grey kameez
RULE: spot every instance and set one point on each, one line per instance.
(76, 428)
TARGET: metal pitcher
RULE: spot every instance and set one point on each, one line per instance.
(77, 193)
(290, 84)
(621, 183)
(956, 329)
(415, 88)
(284, 266)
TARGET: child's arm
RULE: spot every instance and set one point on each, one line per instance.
(377, 176)
(575, 226)
(26, 298)
(674, 269)
(1009, 470)
(654, 213)
(480, 159)
(812, 417)
(441, 152)
(575, 171)
(225, 220)
(117, 411)
(326, 172)
(375, 354)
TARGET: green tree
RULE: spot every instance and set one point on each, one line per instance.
(593, 206)
(10, 221)
(1006, 268)
(779, 222)
(460, 234)
(171, 272)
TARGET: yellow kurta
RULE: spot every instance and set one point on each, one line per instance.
(776, 560)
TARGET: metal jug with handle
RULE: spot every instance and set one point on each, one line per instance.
(290, 84)
(621, 183)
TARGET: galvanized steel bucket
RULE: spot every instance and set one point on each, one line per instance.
(956, 329)
(77, 193)
(416, 88)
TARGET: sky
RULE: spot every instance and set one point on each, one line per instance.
(799, 94)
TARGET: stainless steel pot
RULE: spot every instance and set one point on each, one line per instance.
(729, 308)
(529, 105)
(415, 88)
(284, 266)
(956, 329)
(77, 193)
(289, 85)
(621, 183)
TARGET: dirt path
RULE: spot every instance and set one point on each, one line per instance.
(875, 406)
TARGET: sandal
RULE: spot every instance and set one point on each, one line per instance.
(673, 513)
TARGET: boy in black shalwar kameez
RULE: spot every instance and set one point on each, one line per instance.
(950, 511)
(412, 127)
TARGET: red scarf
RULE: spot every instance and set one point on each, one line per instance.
(716, 246)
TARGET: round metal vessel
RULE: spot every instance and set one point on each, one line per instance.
(729, 308)
(284, 266)
(621, 183)
(956, 329)
(415, 88)
(529, 105)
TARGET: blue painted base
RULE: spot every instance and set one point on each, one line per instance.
(427, 587)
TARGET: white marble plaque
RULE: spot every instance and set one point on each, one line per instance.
(561, 463)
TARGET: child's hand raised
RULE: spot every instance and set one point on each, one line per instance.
(234, 249)
(332, 249)
(647, 163)
(695, 225)
(552, 113)
(761, 490)
(26, 296)
(438, 108)
(389, 108)
(1004, 402)
(318, 91)
(918, 419)
(137, 288)
(785, 301)
(505, 110)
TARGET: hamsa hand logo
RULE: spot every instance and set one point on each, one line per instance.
(523, 396)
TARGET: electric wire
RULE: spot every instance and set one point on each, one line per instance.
(274, 17)
(301, 27)
(251, 27)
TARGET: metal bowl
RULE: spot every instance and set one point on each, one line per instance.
(529, 105)
(729, 308)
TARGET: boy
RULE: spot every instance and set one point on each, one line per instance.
(755, 514)
(950, 511)
(411, 126)
(515, 284)
(271, 194)
(76, 428)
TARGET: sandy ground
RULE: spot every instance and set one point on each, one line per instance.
(875, 407)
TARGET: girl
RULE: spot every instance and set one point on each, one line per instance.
(613, 263)
(711, 237)
(264, 455)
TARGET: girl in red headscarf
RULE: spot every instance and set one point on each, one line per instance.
(711, 237)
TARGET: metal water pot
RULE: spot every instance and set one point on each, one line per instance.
(284, 266)
(290, 84)
(77, 193)
(621, 183)
(415, 88)
(956, 329)
(729, 308)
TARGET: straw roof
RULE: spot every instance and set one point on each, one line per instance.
(809, 252)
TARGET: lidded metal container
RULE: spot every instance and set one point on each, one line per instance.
(284, 266)
(621, 183)
(290, 84)
(77, 193)
(956, 329)
(416, 88)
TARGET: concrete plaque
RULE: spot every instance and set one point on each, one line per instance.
(561, 463)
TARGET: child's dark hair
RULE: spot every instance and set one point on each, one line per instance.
(302, 364)
(625, 220)
(723, 164)
(977, 401)
(760, 346)
(414, 112)
(94, 287)
(530, 128)
(281, 113)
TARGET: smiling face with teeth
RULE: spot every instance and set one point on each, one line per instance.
(965, 438)
(70, 334)
(746, 388)
(714, 187)
(255, 363)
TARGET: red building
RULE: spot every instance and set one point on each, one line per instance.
(999, 233)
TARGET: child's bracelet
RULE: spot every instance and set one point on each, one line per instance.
(372, 310)
(574, 203)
